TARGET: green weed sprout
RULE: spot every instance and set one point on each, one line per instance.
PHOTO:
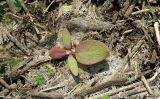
(87, 52)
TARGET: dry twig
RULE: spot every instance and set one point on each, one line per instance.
(124, 88)
(140, 11)
(106, 6)
(18, 44)
(48, 6)
(37, 59)
(101, 86)
(156, 27)
(146, 85)
(89, 24)
(130, 9)
(21, 18)
(4, 84)
(47, 95)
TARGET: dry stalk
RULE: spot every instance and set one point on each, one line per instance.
(4, 84)
(106, 6)
(140, 11)
(125, 88)
(130, 55)
(19, 45)
(101, 86)
(156, 27)
(138, 90)
(37, 59)
(139, 75)
(126, 5)
(60, 85)
(46, 95)
(130, 9)
(146, 85)
(48, 6)
(89, 24)
(155, 74)
(21, 18)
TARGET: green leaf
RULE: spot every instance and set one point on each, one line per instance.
(73, 66)
(17, 5)
(66, 39)
(91, 51)
(14, 62)
(105, 97)
(40, 78)
(6, 18)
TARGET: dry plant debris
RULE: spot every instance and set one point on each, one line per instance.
(128, 29)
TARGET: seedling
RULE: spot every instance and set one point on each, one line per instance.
(87, 52)
(14, 62)
(105, 97)
(40, 79)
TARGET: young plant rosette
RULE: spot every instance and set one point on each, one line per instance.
(87, 52)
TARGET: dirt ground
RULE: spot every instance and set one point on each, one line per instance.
(130, 29)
